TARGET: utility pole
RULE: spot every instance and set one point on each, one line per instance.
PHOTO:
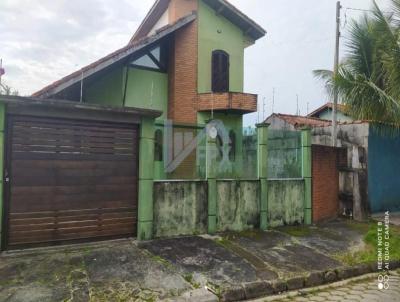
(335, 72)
(297, 104)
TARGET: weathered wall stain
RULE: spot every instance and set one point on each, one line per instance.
(180, 208)
(238, 205)
(285, 202)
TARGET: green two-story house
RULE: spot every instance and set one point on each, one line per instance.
(186, 59)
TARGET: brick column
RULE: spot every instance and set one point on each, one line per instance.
(211, 156)
(146, 177)
(262, 151)
(2, 120)
(306, 173)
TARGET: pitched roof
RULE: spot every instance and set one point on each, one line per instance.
(233, 14)
(340, 107)
(223, 7)
(116, 57)
(299, 121)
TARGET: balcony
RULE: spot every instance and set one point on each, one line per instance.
(227, 102)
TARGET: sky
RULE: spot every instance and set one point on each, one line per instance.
(42, 41)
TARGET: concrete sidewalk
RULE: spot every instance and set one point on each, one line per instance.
(234, 266)
(394, 218)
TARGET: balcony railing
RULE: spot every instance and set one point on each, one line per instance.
(227, 101)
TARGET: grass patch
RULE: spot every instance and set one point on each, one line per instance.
(189, 279)
(296, 231)
(370, 252)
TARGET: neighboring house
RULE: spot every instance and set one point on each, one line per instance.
(279, 121)
(325, 112)
(186, 59)
(367, 170)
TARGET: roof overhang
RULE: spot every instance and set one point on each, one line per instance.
(155, 13)
(230, 12)
(69, 109)
(122, 55)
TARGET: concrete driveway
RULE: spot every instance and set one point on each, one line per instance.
(177, 269)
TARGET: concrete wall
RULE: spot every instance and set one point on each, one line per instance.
(383, 170)
(349, 135)
(285, 202)
(353, 184)
(180, 208)
(238, 205)
(284, 154)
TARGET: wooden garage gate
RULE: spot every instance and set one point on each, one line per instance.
(70, 180)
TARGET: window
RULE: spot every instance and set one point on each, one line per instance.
(158, 145)
(154, 59)
(220, 71)
(232, 145)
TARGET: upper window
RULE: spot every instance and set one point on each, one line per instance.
(220, 71)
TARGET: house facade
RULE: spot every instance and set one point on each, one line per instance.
(186, 60)
(325, 112)
(358, 177)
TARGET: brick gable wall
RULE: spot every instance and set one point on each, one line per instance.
(183, 65)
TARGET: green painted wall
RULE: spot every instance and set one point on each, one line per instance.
(284, 154)
(147, 89)
(285, 202)
(327, 115)
(238, 205)
(180, 208)
(231, 122)
(108, 90)
(216, 32)
(146, 177)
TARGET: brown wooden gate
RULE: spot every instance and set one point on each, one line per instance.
(70, 180)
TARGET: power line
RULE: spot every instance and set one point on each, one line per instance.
(365, 10)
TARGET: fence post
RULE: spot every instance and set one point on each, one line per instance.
(262, 159)
(146, 178)
(2, 145)
(211, 149)
(307, 173)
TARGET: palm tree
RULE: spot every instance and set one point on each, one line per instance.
(368, 79)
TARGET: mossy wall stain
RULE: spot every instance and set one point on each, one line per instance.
(285, 202)
(238, 205)
(180, 208)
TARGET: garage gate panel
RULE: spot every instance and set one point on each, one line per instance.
(70, 180)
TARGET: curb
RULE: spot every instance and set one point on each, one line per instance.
(259, 289)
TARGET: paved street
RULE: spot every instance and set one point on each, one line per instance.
(179, 269)
(363, 290)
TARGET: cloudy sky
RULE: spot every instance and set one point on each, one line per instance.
(42, 41)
